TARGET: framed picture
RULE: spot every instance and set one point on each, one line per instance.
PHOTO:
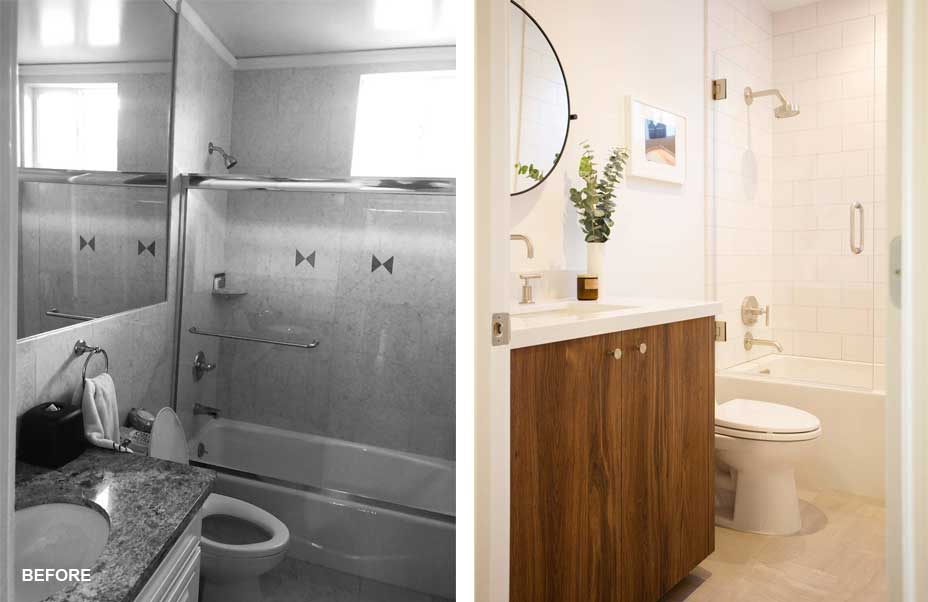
(657, 143)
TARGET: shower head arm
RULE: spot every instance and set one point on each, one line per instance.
(750, 95)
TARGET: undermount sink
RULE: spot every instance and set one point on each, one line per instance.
(55, 536)
(566, 310)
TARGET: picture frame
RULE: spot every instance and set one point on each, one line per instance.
(656, 142)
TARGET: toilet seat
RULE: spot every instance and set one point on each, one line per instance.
(229, 506)
(761, 420)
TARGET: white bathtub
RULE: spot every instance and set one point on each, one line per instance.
(368, 511)
(849, 456)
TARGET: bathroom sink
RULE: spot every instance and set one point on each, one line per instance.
(574, 309)
(55, 536)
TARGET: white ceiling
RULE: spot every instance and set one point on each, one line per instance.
(62, 31)
(255, 28)
(778, 5)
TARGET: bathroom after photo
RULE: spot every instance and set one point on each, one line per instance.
(685, 391)
(235, 354)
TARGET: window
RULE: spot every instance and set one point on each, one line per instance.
(406, 125)
(72, 126)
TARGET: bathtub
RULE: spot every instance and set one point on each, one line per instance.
(372, 512)
(849, 399)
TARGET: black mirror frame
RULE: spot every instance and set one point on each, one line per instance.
(570, 116)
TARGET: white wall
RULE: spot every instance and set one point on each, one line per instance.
(654, 51)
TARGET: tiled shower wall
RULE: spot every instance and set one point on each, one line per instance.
(830, 57)
(739, 240)
(370, 276)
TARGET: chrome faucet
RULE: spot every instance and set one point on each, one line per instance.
(750, 341)
(529, 247)
(200, 409)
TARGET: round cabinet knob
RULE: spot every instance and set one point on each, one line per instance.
(642, 348)
(616, 353)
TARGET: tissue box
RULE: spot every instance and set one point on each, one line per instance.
(51, 435)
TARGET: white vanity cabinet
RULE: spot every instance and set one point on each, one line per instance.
(177, 579)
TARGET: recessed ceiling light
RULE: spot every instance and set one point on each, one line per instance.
(103, 22)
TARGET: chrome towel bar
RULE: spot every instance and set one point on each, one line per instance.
(236, 337)
(55, 313)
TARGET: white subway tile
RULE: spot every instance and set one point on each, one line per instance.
(812, 344)
(858, 137)
(795, 19)
(783, 46)
(843, 60)
(793, 317)
(858, 31)
(845, 321)
(833, 11)
(857, 348)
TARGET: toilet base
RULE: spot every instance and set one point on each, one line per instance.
(765, 502)
(245, 590)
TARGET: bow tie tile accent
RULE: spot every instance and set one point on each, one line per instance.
(150, 248)
(310, 259)
(92, 243)
(376, 263)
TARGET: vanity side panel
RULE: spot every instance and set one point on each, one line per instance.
(687, 444)
(553, 404)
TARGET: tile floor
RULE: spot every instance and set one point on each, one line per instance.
(296, 581)
(837, 557)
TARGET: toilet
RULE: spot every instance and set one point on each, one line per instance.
(757, 445)
(240, 541)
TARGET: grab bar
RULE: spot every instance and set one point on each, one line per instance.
(236, 337)
(54, 313)
(857, 208)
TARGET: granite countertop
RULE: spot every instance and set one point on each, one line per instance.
(149, 503)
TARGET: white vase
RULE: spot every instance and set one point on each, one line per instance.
(594, 259)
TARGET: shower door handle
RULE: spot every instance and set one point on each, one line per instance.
(857, 223)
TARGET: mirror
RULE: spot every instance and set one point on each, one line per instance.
(95, 81)
(539, 103)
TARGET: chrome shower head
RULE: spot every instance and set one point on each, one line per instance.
(784, 110)
(228, 159)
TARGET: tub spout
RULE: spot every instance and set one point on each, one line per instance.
(750, 341)
(199, 408)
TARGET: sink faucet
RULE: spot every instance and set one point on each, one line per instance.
(750, 341)
(529, 247)
(199, 409)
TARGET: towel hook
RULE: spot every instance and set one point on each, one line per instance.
(80, 348)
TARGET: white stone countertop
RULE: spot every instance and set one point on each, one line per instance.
(550, 322)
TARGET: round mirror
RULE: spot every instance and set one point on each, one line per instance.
(539, 103)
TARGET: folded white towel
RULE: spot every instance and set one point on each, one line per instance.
(101, 414)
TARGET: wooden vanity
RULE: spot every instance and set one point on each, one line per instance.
(612, 463)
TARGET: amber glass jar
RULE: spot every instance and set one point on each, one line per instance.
(587, 287)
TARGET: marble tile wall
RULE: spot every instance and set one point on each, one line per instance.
(378, 293)
(202, 114)
(370, 276)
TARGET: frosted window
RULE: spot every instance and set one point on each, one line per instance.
(75, 126)
(406, 125)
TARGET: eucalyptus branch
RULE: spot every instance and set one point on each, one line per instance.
(595, 201)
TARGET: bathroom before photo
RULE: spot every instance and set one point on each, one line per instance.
(235, 355)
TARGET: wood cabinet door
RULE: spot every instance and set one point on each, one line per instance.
(641, 474)
(667, 455)
(687, 505)
(564, 463)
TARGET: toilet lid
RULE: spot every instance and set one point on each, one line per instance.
(764, 417)
(168, 440)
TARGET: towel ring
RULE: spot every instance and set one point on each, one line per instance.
(80, 348)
